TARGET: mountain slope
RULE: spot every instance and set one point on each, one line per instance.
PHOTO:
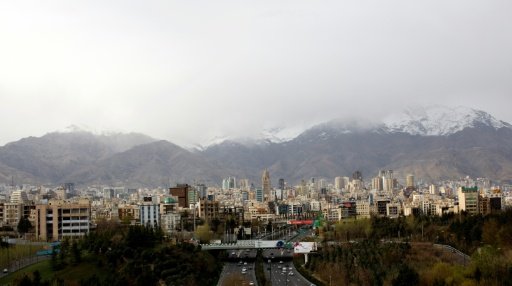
(159, 163)
(432, 145)
(50, 158)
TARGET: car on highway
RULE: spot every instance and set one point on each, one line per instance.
(6, 270)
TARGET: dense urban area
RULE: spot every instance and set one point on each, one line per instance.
(386, 230)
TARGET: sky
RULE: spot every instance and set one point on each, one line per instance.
(190, 71)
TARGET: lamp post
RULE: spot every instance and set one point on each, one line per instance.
(270, 270)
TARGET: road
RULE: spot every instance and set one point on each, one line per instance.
(280, 259)
(240, 265)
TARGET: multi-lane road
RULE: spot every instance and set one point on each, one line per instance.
(280, 270)
(278, 264)
(239, 267)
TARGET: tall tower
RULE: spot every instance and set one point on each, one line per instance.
(410, 180)
(338, 183)
(281, 184)
(265, 183)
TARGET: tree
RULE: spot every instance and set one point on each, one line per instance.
(203, 233)
(24, 225)
(406, 276)
(77, 255)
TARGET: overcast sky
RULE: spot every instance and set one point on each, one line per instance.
(187, 71)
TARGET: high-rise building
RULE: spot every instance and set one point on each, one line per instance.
(377, 183)
(265, 183)
(244, 184)
(388, 181)
(281, 184)
(19, 197)
(229, 183)
(192, 196)
(468, 199)
(149, 214)
(181, 192)
(225, 184)
(201, 191)
(410, 180)
(357, 175)
(339, 183)
(259, 195)
(108, 193)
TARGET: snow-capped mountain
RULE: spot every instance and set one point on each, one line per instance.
(81, 128)
(275, 135)
(439, 121)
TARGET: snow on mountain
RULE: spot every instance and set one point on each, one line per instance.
(266, 136)
(280, 134)
(439, 120)
(81, 128)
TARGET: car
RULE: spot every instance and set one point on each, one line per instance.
(281, 262)
(245, 263)
(291, 273)
(284, 268)
(279, 266)
(251, 283)
(244, 269)
(6, 270)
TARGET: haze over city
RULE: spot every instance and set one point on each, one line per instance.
(190, 71)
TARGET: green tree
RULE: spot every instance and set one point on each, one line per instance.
(203, 233)
(76, 252)
(24, 225)
(406, 276)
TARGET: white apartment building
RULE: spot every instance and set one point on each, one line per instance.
(149, 214)
(170, 221)
(363, 209)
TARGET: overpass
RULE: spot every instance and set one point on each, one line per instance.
(248, 244)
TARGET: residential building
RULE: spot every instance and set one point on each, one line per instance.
(59, 219)
(468, 199)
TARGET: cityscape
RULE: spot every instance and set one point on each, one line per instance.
(269, 143)
(237, 213)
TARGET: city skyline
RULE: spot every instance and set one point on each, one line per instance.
(188, 73)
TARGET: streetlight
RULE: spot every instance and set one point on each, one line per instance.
(270, 270)
(270, 266)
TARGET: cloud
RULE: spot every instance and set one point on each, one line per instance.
(188, 72)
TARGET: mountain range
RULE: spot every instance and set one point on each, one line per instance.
(434, 143)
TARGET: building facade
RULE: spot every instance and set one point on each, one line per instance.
(59, 219)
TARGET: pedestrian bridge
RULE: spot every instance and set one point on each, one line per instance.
(248, 244)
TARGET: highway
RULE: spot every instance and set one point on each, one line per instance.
(240, 268)
(278, 266)
(280, 259)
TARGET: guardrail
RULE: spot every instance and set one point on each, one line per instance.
(455, 250)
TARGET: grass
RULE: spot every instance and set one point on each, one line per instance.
(43, 267)
(17, 251)
(71, 275)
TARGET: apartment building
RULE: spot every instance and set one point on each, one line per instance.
(59, 219)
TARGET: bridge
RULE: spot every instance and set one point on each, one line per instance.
(248, 244)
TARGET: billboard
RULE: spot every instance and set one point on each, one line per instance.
(296, 222)
(304, 247)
